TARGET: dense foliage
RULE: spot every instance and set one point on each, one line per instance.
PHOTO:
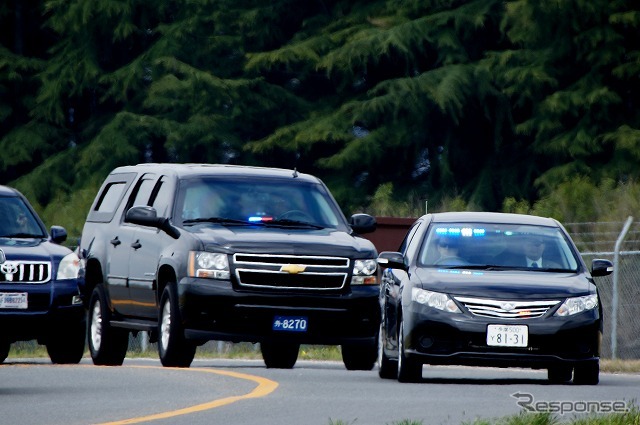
(481, 104)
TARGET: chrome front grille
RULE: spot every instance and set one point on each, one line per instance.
(291, 272)
(507, 309)
(25, 272)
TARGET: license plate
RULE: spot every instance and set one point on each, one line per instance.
(290, 323)
(507, 335)
(13, 300)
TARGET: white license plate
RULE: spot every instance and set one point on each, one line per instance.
(507, 335)
(13, 300)
(290, 323)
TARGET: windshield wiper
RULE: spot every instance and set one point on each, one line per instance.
(292, 223)
(23, 236)
(220, 220)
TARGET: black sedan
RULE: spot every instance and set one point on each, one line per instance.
(490, 289)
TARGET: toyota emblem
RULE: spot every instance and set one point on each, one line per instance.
(8, 268)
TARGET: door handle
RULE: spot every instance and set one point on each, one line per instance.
(115, 241)
(136, 244)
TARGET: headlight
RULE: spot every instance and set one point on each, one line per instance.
(434, 299)
(208, 265)
(70, 267)
(364, 272)
(577, 305)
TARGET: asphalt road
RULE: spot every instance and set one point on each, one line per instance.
(244, 392)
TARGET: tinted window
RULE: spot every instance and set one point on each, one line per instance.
(251, 200)
(110, 197)
(17, 219)
(142, 192)
(503, 245)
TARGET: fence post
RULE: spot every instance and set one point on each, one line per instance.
(614, 298)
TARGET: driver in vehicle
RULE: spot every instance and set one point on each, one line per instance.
(448, 252)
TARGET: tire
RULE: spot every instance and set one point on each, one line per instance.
(387, 368)
(279, 355)
(174, 349)
(587, 373)
(359, 357)
(5, 346)
(66, 343)
(559, 374)
(107, 345)
(408, 369)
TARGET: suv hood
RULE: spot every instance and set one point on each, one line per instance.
(31, 249)
(289, 241)
(505, 284)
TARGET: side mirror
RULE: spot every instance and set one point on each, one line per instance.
(393, 260)
(363, 223)
(601, 267)
(58, 234)
(148, 216)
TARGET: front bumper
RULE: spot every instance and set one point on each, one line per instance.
(215, 310)
(435, 337)
(49, 305)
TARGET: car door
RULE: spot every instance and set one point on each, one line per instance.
(391, 286)
(146, 250)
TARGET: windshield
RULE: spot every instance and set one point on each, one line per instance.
(263, 202)
(512, 246)
(17, 220)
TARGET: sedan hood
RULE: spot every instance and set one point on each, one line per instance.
(505, 284)
(290, 241)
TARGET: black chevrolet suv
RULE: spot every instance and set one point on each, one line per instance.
(197, 252)
(40, 283)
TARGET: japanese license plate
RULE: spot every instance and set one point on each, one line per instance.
(507, 335)
(13, 300)
(290, 323)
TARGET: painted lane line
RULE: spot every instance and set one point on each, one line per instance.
(265, 387)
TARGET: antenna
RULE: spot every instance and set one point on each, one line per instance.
(295, 165)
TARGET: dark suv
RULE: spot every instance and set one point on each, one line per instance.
(198, 252)
(40, 283)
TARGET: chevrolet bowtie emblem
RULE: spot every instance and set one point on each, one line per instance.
(293, 268)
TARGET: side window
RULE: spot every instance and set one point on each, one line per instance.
(161, 198)
(409, 236)
(110, 197)
(108, 201)
(141, 192)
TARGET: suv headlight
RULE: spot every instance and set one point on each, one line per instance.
(364, 272)
(435, 300)
(70, 267)
(577, 305)
(209, 265)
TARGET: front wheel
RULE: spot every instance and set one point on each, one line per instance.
(559, 374)
(173, 348)
(107, 345)
(5, 346)
(587, 373)
(359, 357)
(66, 343)
(387, 368)
(408, 369)
(279, 355)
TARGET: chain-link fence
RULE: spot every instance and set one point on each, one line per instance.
(619, 292)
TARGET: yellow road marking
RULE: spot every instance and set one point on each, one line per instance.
(265, 387)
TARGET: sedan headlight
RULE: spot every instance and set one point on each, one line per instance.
(364, 272)
(70, 267)
(577, 305)
(435, 300)
(209, 265)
